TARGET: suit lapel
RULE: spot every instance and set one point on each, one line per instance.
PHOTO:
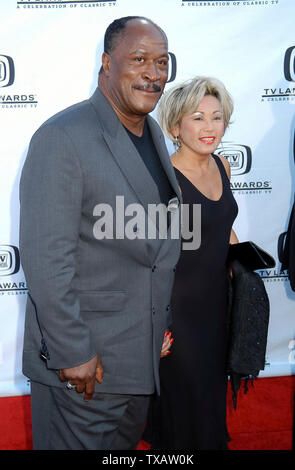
(133, 167)
(125, 153)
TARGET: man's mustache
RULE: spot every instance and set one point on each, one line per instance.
(147, 86)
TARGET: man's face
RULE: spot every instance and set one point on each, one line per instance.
(137, 68)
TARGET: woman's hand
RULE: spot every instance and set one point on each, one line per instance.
(166, 344)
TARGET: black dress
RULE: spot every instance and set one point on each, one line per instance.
(191, 412)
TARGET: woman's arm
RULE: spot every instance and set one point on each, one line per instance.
(233, 237)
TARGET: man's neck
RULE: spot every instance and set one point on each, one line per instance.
(135, 126)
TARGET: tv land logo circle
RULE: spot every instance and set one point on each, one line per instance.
(289, 64)
(172, 64)
(238, 156)
(6, 71)
(9, 260)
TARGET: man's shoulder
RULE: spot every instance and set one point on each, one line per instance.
(76, 114)
(86, 115)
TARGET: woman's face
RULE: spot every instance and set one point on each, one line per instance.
(201, 132)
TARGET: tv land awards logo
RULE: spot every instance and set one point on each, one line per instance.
(284, 93)
(10, 267)
(240, 159)
(7, 79)
(60, 4)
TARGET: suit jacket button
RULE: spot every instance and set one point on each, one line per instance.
(154, 268)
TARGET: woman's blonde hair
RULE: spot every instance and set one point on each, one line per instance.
(185, 98)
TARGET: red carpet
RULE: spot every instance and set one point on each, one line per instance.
(263, 419)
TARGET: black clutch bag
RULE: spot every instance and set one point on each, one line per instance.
(251, 255)
(248, 314)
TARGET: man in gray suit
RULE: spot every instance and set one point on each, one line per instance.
(98, 303)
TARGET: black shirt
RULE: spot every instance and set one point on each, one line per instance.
(147, 150)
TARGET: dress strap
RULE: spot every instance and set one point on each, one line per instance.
(221, 167)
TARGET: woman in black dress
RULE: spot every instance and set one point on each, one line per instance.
(191, 412)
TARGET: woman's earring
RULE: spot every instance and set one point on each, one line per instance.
(176, 142)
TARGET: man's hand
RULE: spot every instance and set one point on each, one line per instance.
(84, 376)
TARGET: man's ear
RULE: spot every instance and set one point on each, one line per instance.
(105, 60)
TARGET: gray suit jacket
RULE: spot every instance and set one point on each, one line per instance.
(88, 296)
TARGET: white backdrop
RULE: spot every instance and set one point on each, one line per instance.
(49, 58)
